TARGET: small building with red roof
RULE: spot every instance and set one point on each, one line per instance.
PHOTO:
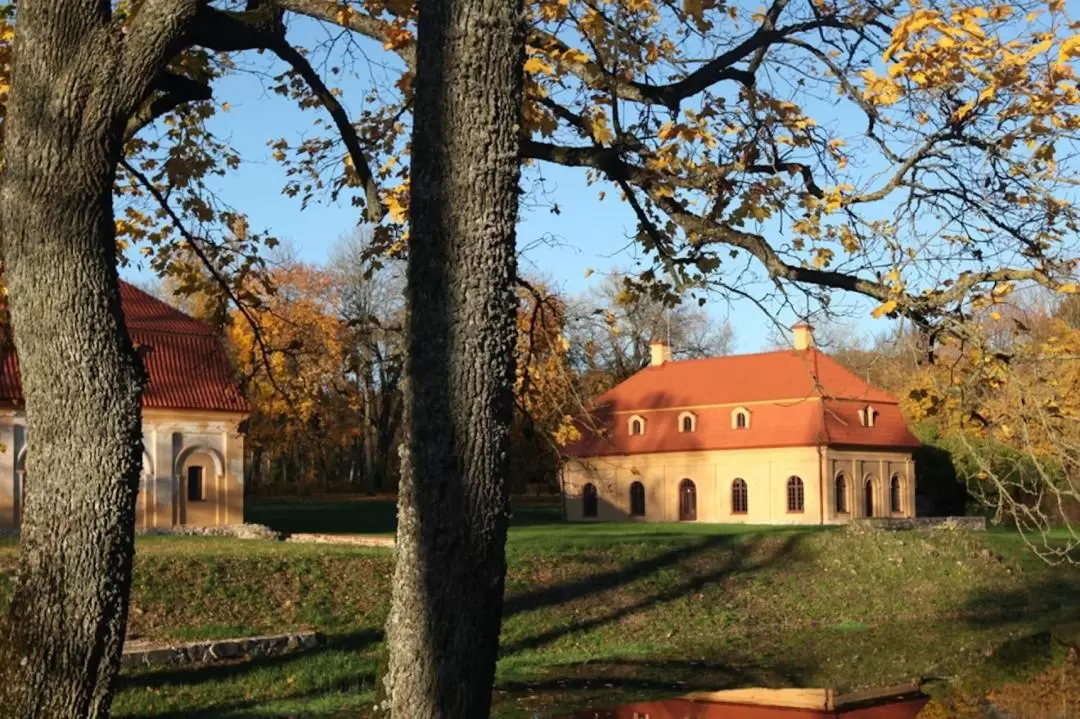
(193, 412)
(783, 437)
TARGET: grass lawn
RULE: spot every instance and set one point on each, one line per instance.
(605, 613)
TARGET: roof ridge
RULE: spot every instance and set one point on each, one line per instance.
(204, 328)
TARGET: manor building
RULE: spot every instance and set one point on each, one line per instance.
(784, 437)
(193, 411)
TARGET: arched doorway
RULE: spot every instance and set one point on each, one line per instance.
(200, 473)
(895, 503)
(588, 500)
(637, 499)
(841, 494)
(687, 501)
(868, 497)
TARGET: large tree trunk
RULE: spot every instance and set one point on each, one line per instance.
(80, 377)
(443, 628)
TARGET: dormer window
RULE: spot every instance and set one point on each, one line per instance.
(740, 418)
(687, 422)
(636, 425)
(868, 416)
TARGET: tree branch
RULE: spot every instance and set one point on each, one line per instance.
(150, 35)
(261, 28)
(176, 90)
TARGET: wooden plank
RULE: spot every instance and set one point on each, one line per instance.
(870, 695)
(785, 698)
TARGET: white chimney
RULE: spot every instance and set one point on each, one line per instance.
(660, 353)
(803, 336)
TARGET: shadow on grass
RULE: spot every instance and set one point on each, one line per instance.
(236, 673)
(1044, 618)
(734, 561)
(363, 516)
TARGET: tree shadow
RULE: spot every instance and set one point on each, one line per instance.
(733, 562)
(1041, 621)
(594, 583)
(154, 679)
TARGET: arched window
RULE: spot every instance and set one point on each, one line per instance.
(868, 416)
(637, 499)
(794, 494)
(740, 418)
(739, 498)
(841, 494)
(868, 497)
(894, 495)
(588, 500)
(637, 425)
(687, 422)
(687, 501)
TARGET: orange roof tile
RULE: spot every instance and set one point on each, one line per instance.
(185, 363)
(795, 398)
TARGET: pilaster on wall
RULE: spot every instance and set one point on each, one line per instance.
(7, 473)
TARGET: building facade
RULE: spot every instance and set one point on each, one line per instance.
(193, 415)
(786, 437)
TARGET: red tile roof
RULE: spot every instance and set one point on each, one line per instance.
(185, 363)
(795, 399)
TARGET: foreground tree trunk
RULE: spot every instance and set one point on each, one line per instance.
(443, 628)
(76, 81)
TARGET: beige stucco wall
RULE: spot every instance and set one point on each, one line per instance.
(172, 441)
(765, 471)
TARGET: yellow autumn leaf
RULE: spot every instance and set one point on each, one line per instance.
(535, 66)
(884, 309)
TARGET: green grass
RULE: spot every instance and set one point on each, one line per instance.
(606, 613)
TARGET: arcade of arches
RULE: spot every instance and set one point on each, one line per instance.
(798, 485)
(193, 470)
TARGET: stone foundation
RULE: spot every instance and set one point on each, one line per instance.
(237, 531)
(976, 524)
(143, 655)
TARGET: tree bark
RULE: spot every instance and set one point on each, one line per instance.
(77, 79)
(443, 628)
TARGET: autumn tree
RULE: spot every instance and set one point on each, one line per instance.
(919, 157)
(85, 79)
(293, 359)
(548, 392)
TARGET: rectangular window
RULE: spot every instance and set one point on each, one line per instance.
(195, 484)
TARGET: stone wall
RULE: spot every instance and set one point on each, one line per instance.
(139, 655)
(977, 524)
(237, 531)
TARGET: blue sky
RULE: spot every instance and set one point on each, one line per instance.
(586, 234)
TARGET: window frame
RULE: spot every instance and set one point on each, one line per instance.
(740, 419)
(683, 418)
(796, 490)
(635, 419)
(740, 487)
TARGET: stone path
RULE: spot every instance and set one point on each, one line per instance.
(142, 654)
